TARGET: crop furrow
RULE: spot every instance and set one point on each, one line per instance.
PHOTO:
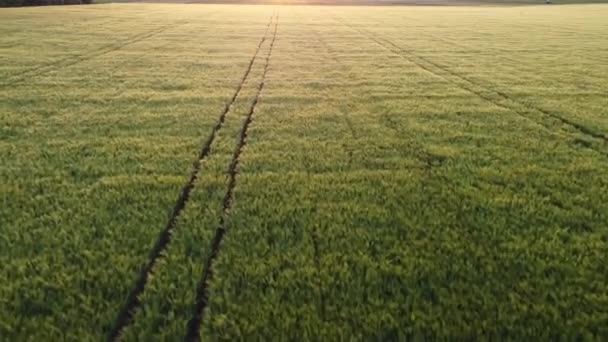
(467, 84)
(133, 302)
(202, 294)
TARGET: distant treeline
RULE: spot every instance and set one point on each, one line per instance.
(18, 3)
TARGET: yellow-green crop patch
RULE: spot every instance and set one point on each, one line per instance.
(231, 172)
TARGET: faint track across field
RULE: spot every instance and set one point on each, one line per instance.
(202, 294)
(420, 152)
(133, 302)
(313, 232)
(73, 60)
(329, 51)
(495, 97)
(505, 52)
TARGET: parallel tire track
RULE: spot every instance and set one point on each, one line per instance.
(133, 302)
(73, 60)
(202, 293)
(467, 84)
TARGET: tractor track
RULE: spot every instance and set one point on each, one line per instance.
(202, 292)
(73, 60)
(468, 85)
(127, 313)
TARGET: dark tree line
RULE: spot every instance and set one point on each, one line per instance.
(18, 3)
